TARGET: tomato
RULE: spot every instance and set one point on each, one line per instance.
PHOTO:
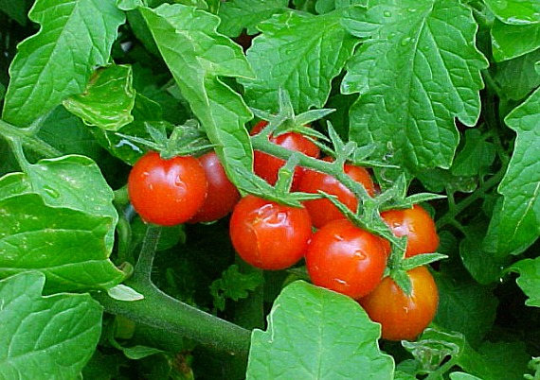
(222, 194)
(346, 259)
(167, 192)
(417, 225)
(401, 316)
(322, 211)
(269, 235)
(267, 166)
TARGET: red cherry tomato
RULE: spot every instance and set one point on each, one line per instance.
(417, 225)
(322, 211)
(402, 316)
(222, 194)
(269, 235)
(167, 192)
(267, 166)
(346, 259)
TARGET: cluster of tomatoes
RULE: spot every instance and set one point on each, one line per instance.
(339, 256)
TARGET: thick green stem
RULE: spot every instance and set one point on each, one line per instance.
(32, 142)
(159, 310)
(143, 268)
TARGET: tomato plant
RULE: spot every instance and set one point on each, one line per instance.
(436, 101)
(268, 235)
(222, 195)
(167, 192)
(417, 225)
(346, 259)
(267, 166)
(403, 316)
(322, 211)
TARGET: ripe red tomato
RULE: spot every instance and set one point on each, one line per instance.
(222, 194)
(267, 166)
(322, 211)
(167, 192)
(401, 316)
(346, 259)
(417, 225)
(269, 235)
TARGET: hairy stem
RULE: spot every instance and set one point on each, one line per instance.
(479, 193)
(28, 140)
(143, 268)
(161, 311)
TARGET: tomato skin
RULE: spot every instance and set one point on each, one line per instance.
(417, 225)
(167, 192)
(269, 235)
(222, 194)
(346, 259)
(322, 211)
(401, 316)
(267, 166)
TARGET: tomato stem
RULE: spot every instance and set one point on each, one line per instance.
(143, 268)
(179, 320)
(28, 139)
(478, 194)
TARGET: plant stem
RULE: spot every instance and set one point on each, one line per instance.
(161, 311)
(143, 268)
(459, 207)
(32, 142)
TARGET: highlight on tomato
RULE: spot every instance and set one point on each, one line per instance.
(403, 316)
(269, 235)
(346, 258)
(267, 166)
(222, 194)
(417, 225)
(322, 211)
(167, 191)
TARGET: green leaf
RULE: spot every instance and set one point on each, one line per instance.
(306, 339)
(492, 361)
(234, 285)
(465, 306)
(108, 99)
(45, 337)
(198, 56)
(301, 54)
(520, 214)
(484, 266)
(237, 15)
(517, 77)
(75, 182)
(516, 12)
(76, 36)
(128, 151)
(70, 246)
(16, 9)
(67, 133)
(529, 279)
(2, 91)
(508, 41)
(476, 156)
(495, 361)
(124, 293)
(418, 71)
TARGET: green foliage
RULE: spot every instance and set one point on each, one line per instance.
(75, 36)
(417, 71)
(108, 99)
(52, 337)
(326, 350)
(234, 285)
